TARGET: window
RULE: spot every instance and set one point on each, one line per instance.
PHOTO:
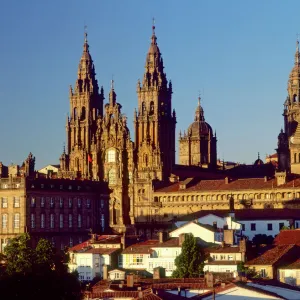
(52, 202)
(32, 202)
(79, 221)
(270, 226)
(52, 221)
(70, 202)
(79, 203)
(88, 203)
(88, 222)
(71, 242)
(53, 241)
(230, 257)
(62, 247)
(70, 221)
(263, 273)
(4, 221)
(102, 222)
(137, 259)
(16, 202)
(281, 225)
(42, 202)
(32, 220)
(17, 221)
(253, 227)
(61, 202)
(61, 221)
(4, 202)
(243, 227)
(102, 203)
(111, 155)
(88, 275)
(80, 239)
(112, 176)
(42, 220)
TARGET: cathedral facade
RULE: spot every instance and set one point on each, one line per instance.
(99, 146)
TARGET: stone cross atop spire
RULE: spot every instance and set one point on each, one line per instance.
(199, 113)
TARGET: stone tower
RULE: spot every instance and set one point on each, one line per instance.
(198, 146)
(154, 121)
(292, 115)
(86, 105)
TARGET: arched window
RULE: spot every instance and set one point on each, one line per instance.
(79, 221)
(295, 98)
(75, 113)
(143, 108)
(295, 157)
(83, 113)
(111, 155)
(151, 108)
(112, 176)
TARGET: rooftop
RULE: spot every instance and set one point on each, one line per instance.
(271, 256)
(285, 237)
(141, 248)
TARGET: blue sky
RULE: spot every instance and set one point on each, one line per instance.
(237, 53)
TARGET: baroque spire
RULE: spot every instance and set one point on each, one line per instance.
(154, 75)
(199, 114)
(112, 94)
(86, 80)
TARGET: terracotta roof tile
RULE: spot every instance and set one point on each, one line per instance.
(141, 248)
(173, 242)
(225, 250)
(288, 237)
(101, 250)
(235, 184)
(271, 256)
(79, 247)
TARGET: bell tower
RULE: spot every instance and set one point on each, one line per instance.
(292, 115)
(154, 121)
(86, 104)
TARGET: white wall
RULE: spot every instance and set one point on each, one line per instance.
(262, 227)
(289, 276)
(48, 168)
(198, 231)
(220, 268)
(88, 264)
(116, 275)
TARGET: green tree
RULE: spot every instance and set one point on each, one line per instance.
(260, 239)
(19, 255)
(37, 273)
(189, 263)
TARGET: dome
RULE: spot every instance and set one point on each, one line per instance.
(258, 162)
(198, 128)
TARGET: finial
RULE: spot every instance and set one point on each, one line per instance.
(297, 50)
(153, 26)
(85, 34)
(258, 155)
(112, 82)
(199, 98)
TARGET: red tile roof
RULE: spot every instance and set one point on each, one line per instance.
(234, 184)
(288, 237)
(141, 248)
(225, 249)
(101, 250)
(79, 247)
(173, 242)
(271, 256)
(294, 265)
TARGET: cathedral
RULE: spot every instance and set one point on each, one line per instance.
(146, 185)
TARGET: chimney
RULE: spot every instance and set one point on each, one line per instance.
(123, 241)
(280, 178)
(105, 273)
(265, 179)
(163, 236)
(215, 225)
(130, 280)
(226, 180)
(229, 236)
(223, 244)
(181, 238)
(243, 248)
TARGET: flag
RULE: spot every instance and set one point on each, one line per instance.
(89, 158)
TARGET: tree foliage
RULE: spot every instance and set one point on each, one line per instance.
(189, 263)
(37, 273)
(260, 239)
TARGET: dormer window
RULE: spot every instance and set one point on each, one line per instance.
(111, 155)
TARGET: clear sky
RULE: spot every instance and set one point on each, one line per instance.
(237, 53)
